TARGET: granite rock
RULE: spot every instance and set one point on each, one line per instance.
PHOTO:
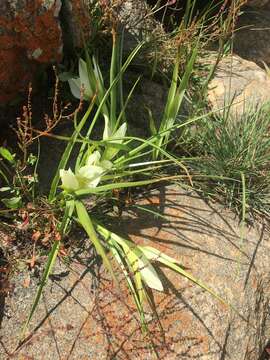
(238, 82)
(31, 34)
(82, 315)
(251, 40)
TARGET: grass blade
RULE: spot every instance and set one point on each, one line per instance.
(154, 254)
(66, 155)
(122, 185)
(105, 97)
(113, 72)
(50, 262)
(87, 224)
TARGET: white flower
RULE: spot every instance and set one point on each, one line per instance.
(94, 158)
(76, 84)
(69, 180)
(88, 176)
(117, 138)
(107, 129)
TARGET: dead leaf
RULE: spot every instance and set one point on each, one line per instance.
(33, 261)
(30, 206)
(63, 252)
(36, 235)
(26, 282)
(57, 236)
(46, 238)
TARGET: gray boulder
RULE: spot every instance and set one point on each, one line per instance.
(258, 3)
(31, 34)
(82, 315)
(251, 39)
(238, 82)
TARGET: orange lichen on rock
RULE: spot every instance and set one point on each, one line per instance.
(15, 73)
(29, 32)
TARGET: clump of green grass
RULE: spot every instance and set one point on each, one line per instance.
(230, 149)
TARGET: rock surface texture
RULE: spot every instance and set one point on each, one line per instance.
(139, 26)
(241, 79)
(258, 3)
(251, 40)
(239, 82)
(30, 33)
(82, 316)
(34, 32)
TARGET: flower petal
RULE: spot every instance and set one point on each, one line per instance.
(107, 129)
(89, 176)
(106, 164)
(69, 180)
(111, 151)
(149, 274)
(144, 267)
(93, 159)
(84, 78)
(75, 87)
(120, 133)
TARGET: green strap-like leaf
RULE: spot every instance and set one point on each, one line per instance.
(66, 155)
(87, 224)
(137, 293)
(6, 154)
(50, 262)
(137, 260)
(154, 254)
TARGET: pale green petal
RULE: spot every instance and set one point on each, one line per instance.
(111, 151)
(148, 273)
(69, 180)
(106, 164)
(89, 176)
(84, 78)
(107, 130)
(143, 266)
(98, 73)
(93, 159)
(75, 87)
(120, 133)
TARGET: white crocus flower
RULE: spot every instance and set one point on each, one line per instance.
(88, 176)
(69, 180)
(76, 84)
(119, 134)
(91, 82)
(93, 159)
